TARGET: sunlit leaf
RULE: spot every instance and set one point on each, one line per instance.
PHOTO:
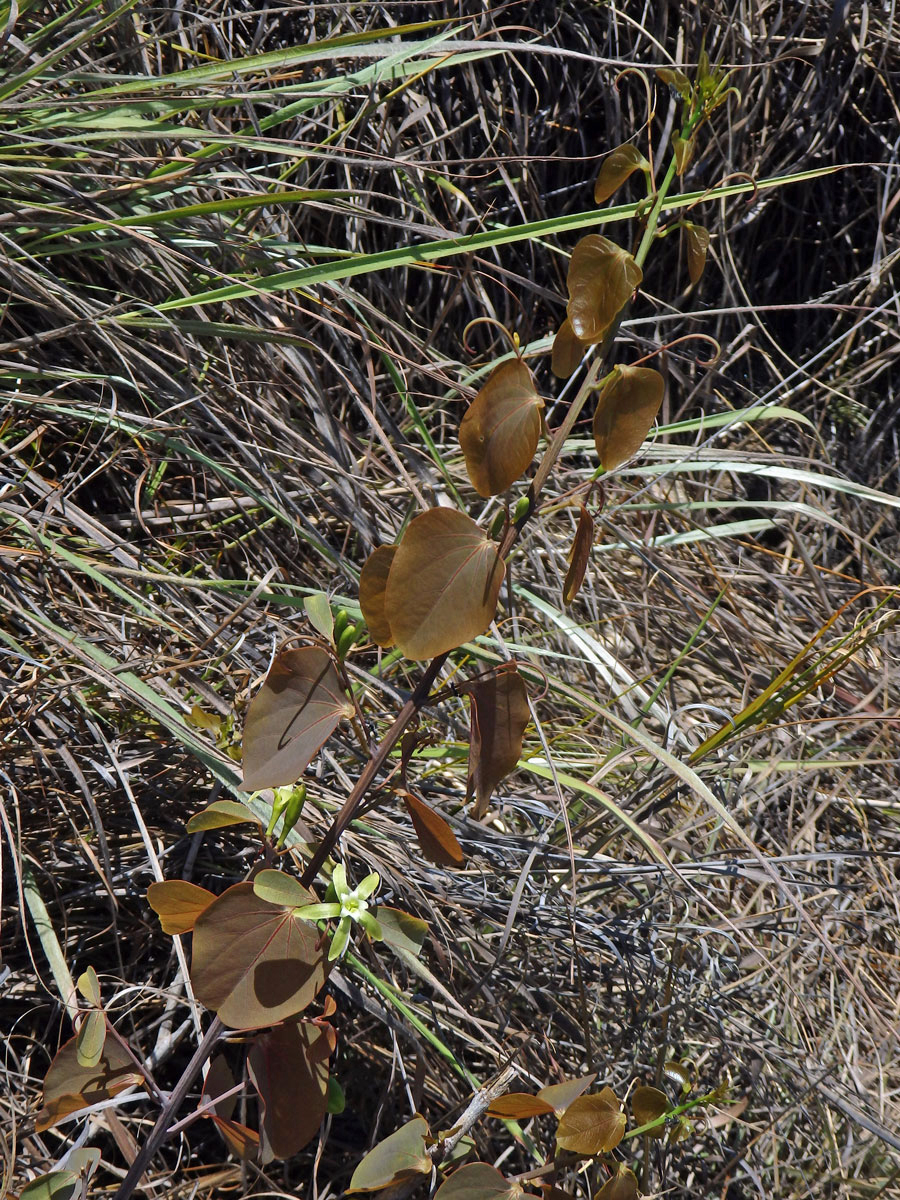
(401, 929)
(178, 904)
(436, 838)
(280, 888)
(220, 814)
(567, 352)
(295, 711)
(579, 556)
(616, 168)
(648, 1103)
(89, 986)
(601, 278)
(443, 585)
(241, 1140)
(255, 963)
(592, 1124)
(289, 1069)
(58, 1185)
(90, 1039)
(676, 79)
(400, 1156)
(499, 711)
(500, 430)
(318, 610)
(696, 240)
(477, 1181)
(69, 1086)
(622, 1186)
(372, 583)
(560, 1095)
(519, 1106)
(626, 409)
(680, 1075)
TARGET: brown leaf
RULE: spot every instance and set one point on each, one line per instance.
(372, 583)
(499, 713)
(519, 1106)
(626, 409)
(69, 1086)
(443, 586)
(622, 1186)
(601, 278)
(178, 904)
(289, 1069)
(500, 430)
(294, 712)
(592, 1124)
(648, 1103)
(697, 242)
(617, 166)
(567, 351)
(477, 1181)
(561, 1095)
(683, 149)
(579, 556)
(399, 1157)
(437, 839)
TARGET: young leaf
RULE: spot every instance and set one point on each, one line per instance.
(401, 929)
(683, 149)
(560, 1095)
(519, 1106)
(617, 166)
(567, 351)
(89, 986)
(477, 1181)
(280, 888)
(443, 585)
(676, 79)
(500, 430)
(220, 814)
(178, 904)
(295, 711)
(648, 1103)
(255, 963)
(69, 1086)
(592, 1124)
(622, 1186)
(399, 1157)
(318, 610)
(697, 242)
(372, 582)
(436, 838)
(601, 278)
(579, 556)
(90, 1039)
(289, 1069)
(499, 712)
(626, 409)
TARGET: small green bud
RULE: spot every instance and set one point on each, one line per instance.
(346, 640)
(523, 505)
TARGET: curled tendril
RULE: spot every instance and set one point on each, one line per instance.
(512, 337)
(688, 337)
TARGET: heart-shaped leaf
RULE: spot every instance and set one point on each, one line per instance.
(178, 904)
(289, 1069)
(437, 839)
(592, 1124)
(499, 713)
(696, 240)
(477, 1181)
(567, 352)
(220, 814)
(91, 1038)
(622, 1186)
(579, 556)
(648, 1103)
(601, 278)
(295, 711)
(500, 430)
(399, 1157)
(372, 583)
(626, 409)
(443, 585)
(560, 1095)
(70, 1086)
(617, 166)
(255, 963)
(519, 1106)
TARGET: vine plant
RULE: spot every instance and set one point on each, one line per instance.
(262, 950)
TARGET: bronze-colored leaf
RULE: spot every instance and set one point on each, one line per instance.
(220, 814)
(500, 430)
(567, 351)
(289, 1069)
(592, 1124)
(696, 240)
(70, 1086)
(622, 1186)
(443, 586)
(294, 712)
(519, 1106)
(499, 712)
(478, 1181)
(436, 838)
(372, 583)
(648, 1103)
(617, 166)
(601, 278)
(399, 1157)
(683, 149)
(241, 1140)
(579, 556)
(626, 409)
(561, 1095)
(178, 904)
(255, 963)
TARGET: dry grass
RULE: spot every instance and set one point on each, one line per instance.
(173, 481)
